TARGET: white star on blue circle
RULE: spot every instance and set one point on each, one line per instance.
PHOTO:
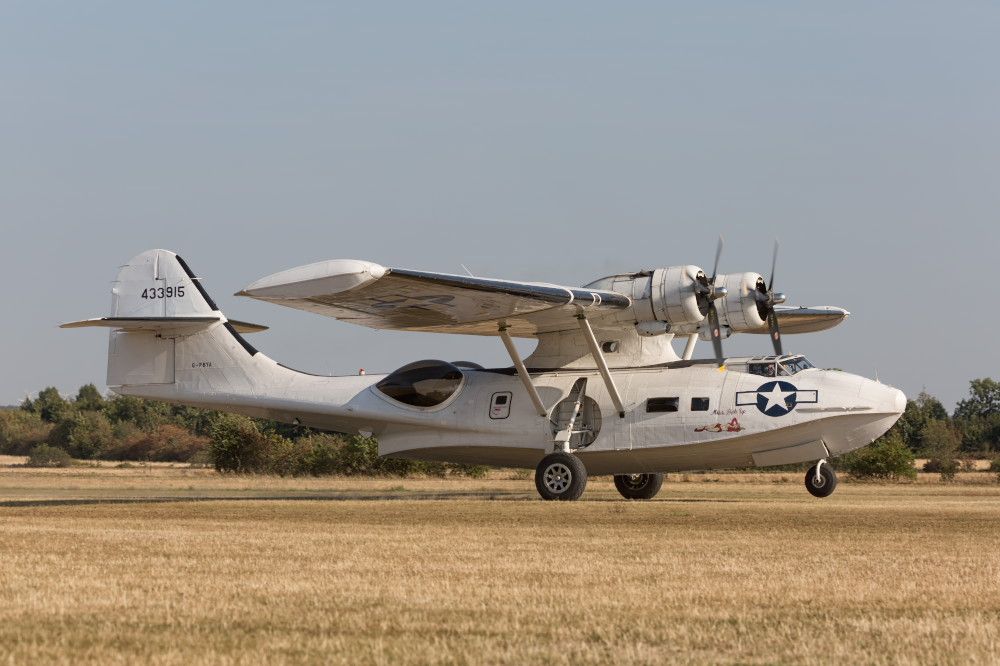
(776, 398)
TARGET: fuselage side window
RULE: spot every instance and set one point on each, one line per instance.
(699, 404)
(662, 404)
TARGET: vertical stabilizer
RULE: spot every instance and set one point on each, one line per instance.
(165, 326)
(158, 283)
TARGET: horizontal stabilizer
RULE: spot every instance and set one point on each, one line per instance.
(246, 327)
(163, 324)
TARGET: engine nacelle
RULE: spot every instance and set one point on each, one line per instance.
(739, 309)
(664, 300)
(673, 297)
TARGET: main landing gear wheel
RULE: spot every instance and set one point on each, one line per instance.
(638, 486)
(821, 480)
(560, 476)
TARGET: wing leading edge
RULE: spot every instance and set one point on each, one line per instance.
(365, 293)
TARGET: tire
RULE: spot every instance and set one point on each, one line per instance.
(638, 486)
(560, 476)
(824, 488)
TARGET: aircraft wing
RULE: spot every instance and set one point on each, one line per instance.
(365, 293)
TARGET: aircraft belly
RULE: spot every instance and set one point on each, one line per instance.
(800, 442)
(395, 440)
(496, 456)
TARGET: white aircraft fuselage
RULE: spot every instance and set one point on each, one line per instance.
(819, 414)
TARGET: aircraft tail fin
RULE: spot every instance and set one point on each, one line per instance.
(159, 283)
(164, 324)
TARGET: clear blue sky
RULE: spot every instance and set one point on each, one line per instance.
(545, 141)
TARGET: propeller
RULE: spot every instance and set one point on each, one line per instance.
(767, 298)
(708, 293)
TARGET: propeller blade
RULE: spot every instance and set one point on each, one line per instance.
(718, 254)
(772, 324)
(774, 263)
(716, 331)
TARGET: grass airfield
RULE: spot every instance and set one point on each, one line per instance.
(177, 565)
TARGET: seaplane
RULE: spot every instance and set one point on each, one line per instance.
(604, 392)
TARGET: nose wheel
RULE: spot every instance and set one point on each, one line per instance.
(821, 480)
(560, 476)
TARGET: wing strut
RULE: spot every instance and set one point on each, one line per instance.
(689, 346)
(602, 365)
(522, 371)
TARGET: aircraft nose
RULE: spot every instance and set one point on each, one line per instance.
(881, 398)
(884, 405)
(890, 400)
(898, 401)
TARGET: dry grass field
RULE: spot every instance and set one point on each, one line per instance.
(176, 566)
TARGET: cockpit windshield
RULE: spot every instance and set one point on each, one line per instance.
(779, 367)
(793, 365)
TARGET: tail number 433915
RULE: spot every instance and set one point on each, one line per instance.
(163, 292)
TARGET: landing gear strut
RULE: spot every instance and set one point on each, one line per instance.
(560, 476)
(638, 486)
(821, 480)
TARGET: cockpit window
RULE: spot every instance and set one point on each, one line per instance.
(775, 367)
(763, 369)
(422, 384)
(794, 365)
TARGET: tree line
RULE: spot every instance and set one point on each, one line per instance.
(53, 430)
(90, 426)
